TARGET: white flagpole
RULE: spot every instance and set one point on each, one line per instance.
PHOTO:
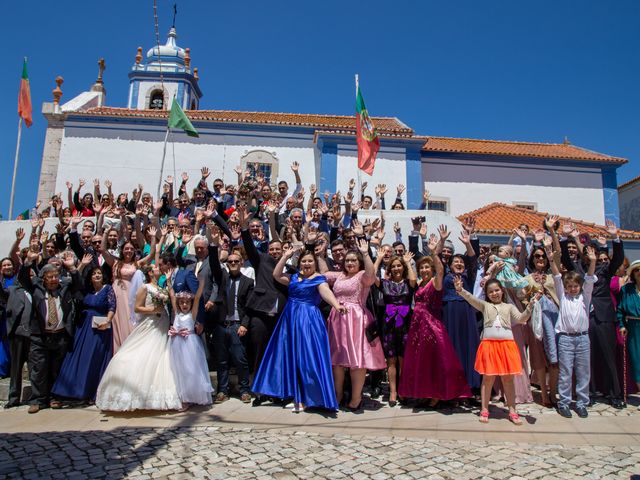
(164, 153)
(15, 169)
(358, 192)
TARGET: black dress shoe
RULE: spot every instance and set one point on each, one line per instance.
(11, 404)
(617, 403)
(565, 412)
(257, 401)
(582, 412)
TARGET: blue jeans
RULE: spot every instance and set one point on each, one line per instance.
(227, 343)
(574, 354)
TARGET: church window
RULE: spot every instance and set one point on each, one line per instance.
(439, 205)
(156, 101)
(261, 161)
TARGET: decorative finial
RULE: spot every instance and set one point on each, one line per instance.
(566, 141)
(187, 57)
(101, 68)
(195, 73)
(57, 93)
(139, 56)
(175, 12)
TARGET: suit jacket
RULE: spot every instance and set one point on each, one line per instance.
(80, 251)
(267, 291)
(66, 290)
(18, 311)
(210, 290)
(222, 278)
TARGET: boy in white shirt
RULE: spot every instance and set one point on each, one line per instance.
(572, 329)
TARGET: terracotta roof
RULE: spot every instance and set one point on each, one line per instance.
(517, 149)
(501, 219)
(329, 122)
(629, 183)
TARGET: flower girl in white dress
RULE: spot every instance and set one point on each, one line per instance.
(188, 359)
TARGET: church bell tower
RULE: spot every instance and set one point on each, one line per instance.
(166, 74)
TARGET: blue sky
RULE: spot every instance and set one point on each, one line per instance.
(533, 71)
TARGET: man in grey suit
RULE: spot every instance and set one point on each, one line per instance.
(18, 302)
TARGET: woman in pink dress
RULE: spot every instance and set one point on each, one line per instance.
(350, 348)
(126, 281)
(432, 369)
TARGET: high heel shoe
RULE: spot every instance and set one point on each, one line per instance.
(355, 409)
(393, 403)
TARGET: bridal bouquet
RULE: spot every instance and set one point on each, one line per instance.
(160, 297)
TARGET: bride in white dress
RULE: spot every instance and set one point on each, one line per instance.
(139, 376)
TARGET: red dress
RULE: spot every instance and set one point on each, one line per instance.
(431, 367)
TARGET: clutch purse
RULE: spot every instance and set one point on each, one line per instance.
(371, 332)
(99, 321)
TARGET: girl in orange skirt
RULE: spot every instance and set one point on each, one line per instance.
(498, 353)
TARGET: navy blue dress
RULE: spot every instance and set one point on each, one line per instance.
(459, 319)
(5, 360)
(84, 365)
(297, 361)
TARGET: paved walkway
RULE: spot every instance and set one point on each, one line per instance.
(234, 440)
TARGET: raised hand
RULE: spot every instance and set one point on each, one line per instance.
(108, 184)
(69, 185)
(356, 226)
(612, 229)
(68, 260)
(356, 206)
(348, 198)
(363, 187)
(295, 166)
(81, 183)
(469, 225)
(164, 230)
(169, 179)
(591, 253)
(86, 259)
(520, 233)
(185, 177)
(152, 231)
(401, 188)
(538, 235)
(550, 221)
(457, 283)
(352, 184)
(423, 230)
(313, 190)
(363, 246)
(465, 237)
(238, 169)
(396, 228)
(433, 242)
(407, 257)
(96, 182)
(566, 229)
(204, 171)
(444, 232)
(235, 232)
(20, 234)
(382, 189)
(75, 220)
(425, 196)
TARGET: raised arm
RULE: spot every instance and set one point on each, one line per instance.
(278, 274)
(411, 273)
(473, 301)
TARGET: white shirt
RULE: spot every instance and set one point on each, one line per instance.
(574, 311)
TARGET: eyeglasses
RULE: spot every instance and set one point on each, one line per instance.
(539, 255)
(233, 262)
(96, 242)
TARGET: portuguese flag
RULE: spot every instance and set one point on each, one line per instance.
(366, 136)
(24, 97)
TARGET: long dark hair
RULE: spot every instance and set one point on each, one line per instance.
(494, 281)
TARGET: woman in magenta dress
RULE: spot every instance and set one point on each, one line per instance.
(431, 367)
(350, 348)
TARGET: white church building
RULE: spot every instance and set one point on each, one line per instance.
(87, 138)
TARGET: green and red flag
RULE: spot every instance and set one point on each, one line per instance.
(178, 119)
(24, 215)
(24, 97)
(366, 136)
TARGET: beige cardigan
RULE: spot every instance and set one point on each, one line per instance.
(508, 313)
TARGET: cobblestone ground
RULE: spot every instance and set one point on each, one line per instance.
(213, 452)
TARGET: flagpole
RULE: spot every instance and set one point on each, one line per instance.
(15, 169)
(164, 154)
(358, 192)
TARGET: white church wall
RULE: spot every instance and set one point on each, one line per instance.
(390, 169)
(129, 155)
(579, 203)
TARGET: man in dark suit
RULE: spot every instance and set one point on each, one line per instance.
(231, 322)
(18, 307)
(199, 265)
(52, 324)
(267, 299)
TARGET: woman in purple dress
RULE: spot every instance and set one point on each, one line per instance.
(397, 291)
(350, 348)
(431, 368)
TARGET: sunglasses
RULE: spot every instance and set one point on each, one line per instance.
(233, 262)
(96, 242)
(539, 255)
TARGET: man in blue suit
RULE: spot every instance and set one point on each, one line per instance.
(181, 279)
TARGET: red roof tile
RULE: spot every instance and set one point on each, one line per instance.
(517, 149)
(329, 122)
(501, 219)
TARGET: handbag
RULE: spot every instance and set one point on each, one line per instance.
(98, 321)
(372, 332)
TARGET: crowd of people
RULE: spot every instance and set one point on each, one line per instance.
(131, 301)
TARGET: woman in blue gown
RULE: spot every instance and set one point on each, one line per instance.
(6, 278)
(84, 365)
(297, 361)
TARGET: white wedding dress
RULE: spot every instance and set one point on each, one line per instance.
(139, 376)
